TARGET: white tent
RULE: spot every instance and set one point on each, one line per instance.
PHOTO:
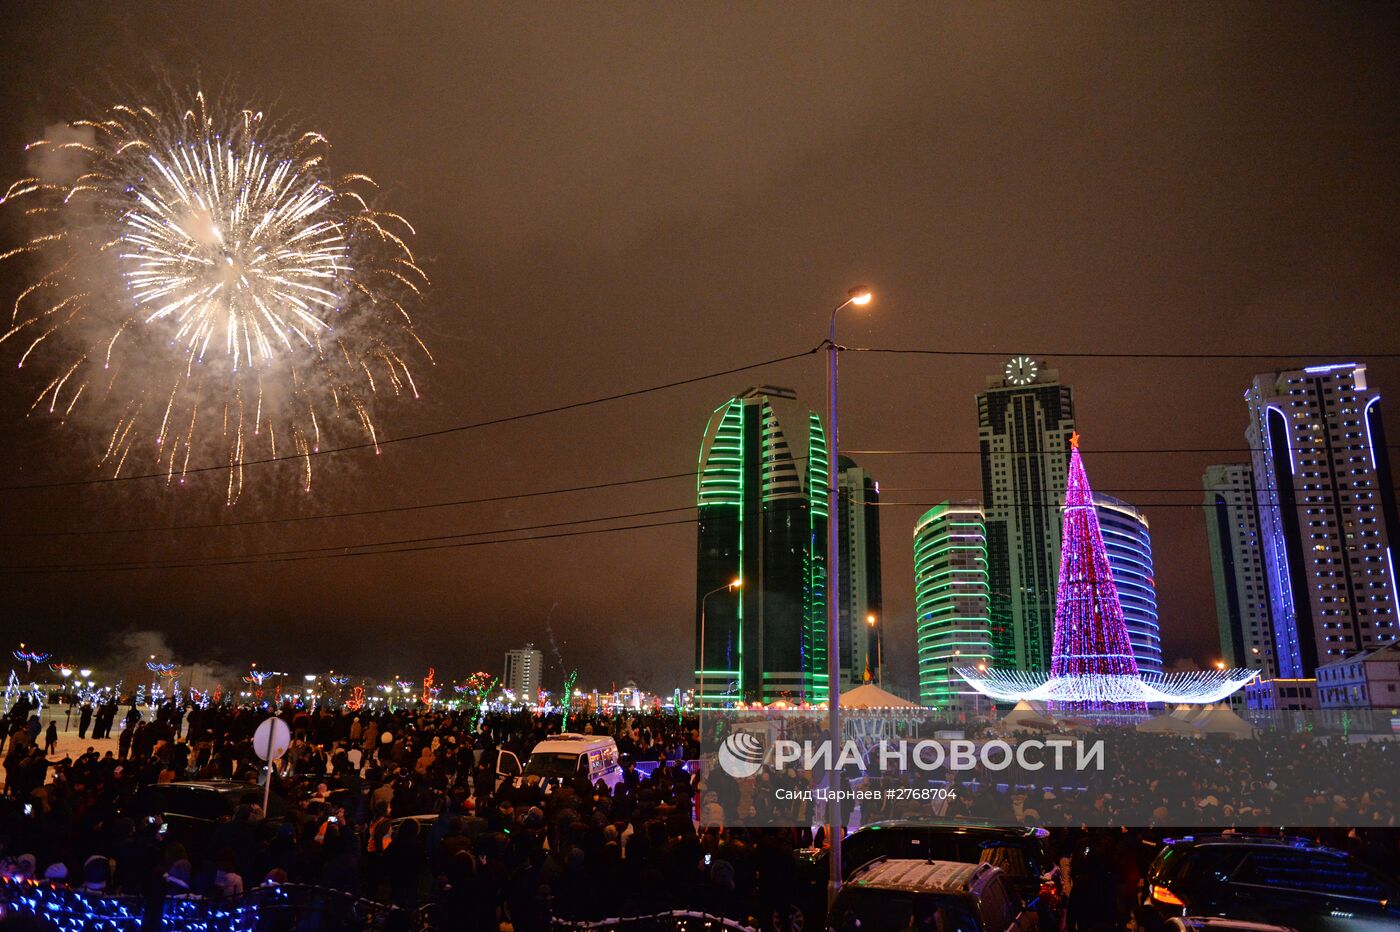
(1024, 717)
(1222, 721)
(1184, 711)
(1167, 725)
(871, 696)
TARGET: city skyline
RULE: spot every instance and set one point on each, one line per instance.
(1009, 181)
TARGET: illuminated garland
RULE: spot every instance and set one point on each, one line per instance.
(481, 707)
(1193, 688)
(568, 699)
(73, 910)
(30, 657)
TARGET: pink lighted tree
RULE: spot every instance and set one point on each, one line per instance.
(1091, 636)
(1092, 667)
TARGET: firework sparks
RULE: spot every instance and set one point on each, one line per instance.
(207, 286)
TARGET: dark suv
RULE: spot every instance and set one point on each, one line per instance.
(189, 811)
(1264, 879)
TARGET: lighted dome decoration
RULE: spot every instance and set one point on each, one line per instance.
(1092, 664)
(1101, 690)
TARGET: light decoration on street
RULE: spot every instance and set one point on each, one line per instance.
(337, 679)
(1098, 691)
(429, 693)
(1092, 664)
(482, 696)
(162, 669)
(568, 698)
(29, 657)
(356, 700)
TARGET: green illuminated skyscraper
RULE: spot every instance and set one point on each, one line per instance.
(951, 600)
(761, 492)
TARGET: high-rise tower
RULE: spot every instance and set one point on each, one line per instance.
(1025, 421)
(859, 513)
(1327, 513)
(1128, 539)
(950, 600)
(1237, 565)
(524, 672)
(761, 496)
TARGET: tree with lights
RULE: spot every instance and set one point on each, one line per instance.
(1092, 665)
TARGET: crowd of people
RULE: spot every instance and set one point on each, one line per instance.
(405, 807)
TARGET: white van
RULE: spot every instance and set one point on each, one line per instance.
(559, 758)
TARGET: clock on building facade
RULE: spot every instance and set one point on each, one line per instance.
(1021, 370)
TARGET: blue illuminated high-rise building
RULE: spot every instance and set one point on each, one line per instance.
(1327, 513)
(1127, 537)
(761, 496)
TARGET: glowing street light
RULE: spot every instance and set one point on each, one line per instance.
(732, 586)
(859, 296)
(85, 673)
(879, 649)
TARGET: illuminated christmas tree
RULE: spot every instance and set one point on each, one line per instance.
(1092, 666)
(1091, 636)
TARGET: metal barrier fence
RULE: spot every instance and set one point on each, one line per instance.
(679, 920)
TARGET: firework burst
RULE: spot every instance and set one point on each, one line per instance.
(207, 285)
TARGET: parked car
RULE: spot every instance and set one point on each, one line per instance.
(946, 896)
(1284, 881)
(189, 811)
(1019, 852)
(560, 758)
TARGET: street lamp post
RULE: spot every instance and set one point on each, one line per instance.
(879, 650)
(836, 824)
(700, 703)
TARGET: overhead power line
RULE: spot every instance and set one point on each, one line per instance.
(663, 386)
(404, 545)
(1094, 451)
(396, 509)
(619, 483)
(1193, 490)
(919, 351)
(424, 435)
(1142, 506)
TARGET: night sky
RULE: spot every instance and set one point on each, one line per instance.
(609, 196)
